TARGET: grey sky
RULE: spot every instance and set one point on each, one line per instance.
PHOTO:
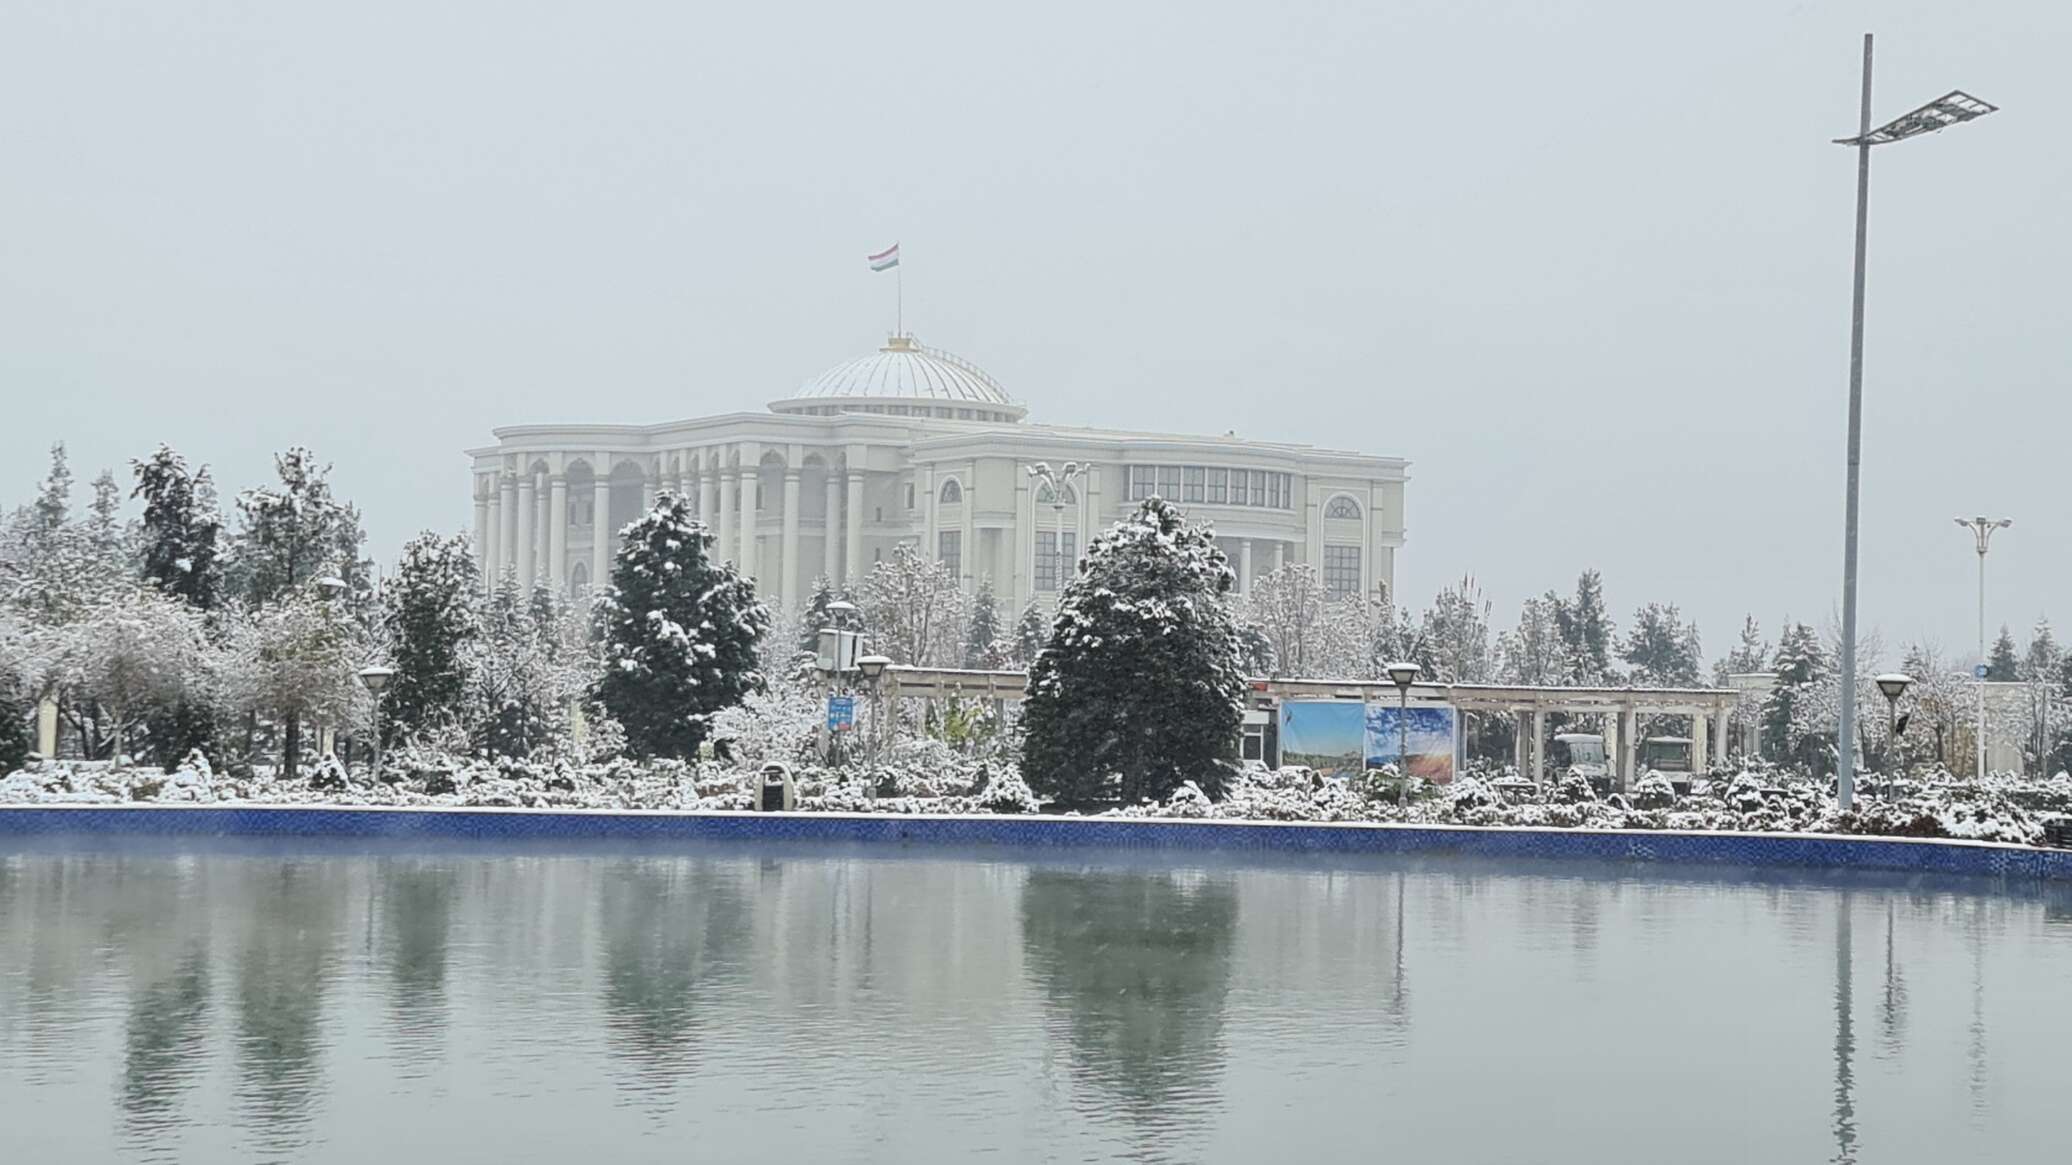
(1586, 264)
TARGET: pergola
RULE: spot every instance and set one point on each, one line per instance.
(1622, 708)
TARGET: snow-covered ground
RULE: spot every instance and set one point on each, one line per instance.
(935, 780)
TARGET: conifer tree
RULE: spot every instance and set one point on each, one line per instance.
(680, 634)
(297, 532)
(1586, 629)
(179, 534)
(1140, 686)
(1801, 666)
(1662, 649)
(2002, 665)
(430, 616)
(1031, 632)
(982, 636)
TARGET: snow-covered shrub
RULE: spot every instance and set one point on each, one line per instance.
(1007, 792)
(1574, 789)
(1654, 791)
(1187, 801)
(1469, 794)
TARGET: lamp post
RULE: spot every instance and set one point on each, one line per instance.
(1058, 482)
(1950, 109)
(1403, 674)
(376, 678)
(330, 589)
(1894, 685)
(1982, 531)
(873, 668)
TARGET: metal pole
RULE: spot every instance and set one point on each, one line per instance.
(1984, 536)
(377, 736)
(1403, 745)
(1845, 730)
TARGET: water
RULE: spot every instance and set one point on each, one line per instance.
(221, 1001)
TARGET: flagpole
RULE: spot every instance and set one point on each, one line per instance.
(899, 300)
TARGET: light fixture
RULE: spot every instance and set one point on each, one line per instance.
(873, 666)
(1894, 684)
(376, 678)
(1403, 673)
(1952, 108)
(330, 587)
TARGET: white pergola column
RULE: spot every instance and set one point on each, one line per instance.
(1719, 738)
(830, 545)
(1628, 760)
(788, 573)
(557, 532)
(853, 567)
(1539, 747)
(601, 533)
(1244, 566)
(1699, 742)
(507, 544)
(528, 512)
(745, 495)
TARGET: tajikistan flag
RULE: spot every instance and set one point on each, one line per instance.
(886, 259)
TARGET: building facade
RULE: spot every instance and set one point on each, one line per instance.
(913, 445)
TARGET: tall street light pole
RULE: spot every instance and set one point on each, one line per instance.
(1950, 109)
(1982, 530)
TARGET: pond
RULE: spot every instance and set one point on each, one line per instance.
(232, 1001)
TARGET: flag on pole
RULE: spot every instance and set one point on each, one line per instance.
(886, 259)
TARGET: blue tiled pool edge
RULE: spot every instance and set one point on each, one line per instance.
(1818, 851)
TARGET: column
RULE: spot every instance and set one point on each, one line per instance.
(854, 551)
(539, 530)
(507, 543)
(557, 532)
(1620, 780)
(647, 488)
(968, 563)
(1244, 565)
(830, 546)
(1273, 559)
(745, 495)
(601, 533)
(1699, 751)
(708, 500)
(725, 547)
(528, 509)
(1719, 739)
(1539, 747)
(788, 573)
(492, 538)
(1629, 745)
(1521, 734)
(481, 523)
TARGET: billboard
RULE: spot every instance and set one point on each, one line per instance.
(1430, 744)
(1327, 735)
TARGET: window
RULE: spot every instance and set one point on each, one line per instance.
(949, 549)
(1277, 491)
(963, 414)
(1191, 483)
(1342, 570)
(1141, 482)
(1054, 559)
(758, 495)
(910, 495)
(952, 493)
(1219, 487)
(582, 512)
(1258, 488)
(1169, 482)
(1342, 507)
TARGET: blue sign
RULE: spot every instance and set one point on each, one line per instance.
(1979, 672)
(841, 713)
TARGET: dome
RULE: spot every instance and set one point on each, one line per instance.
(905, 378)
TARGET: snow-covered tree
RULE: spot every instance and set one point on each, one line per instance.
(529, 661)
(982, 645)
(1456, 636)
(1031, 632)
(294, 661)
(180, 534)
(1802, 669)
(430, 615)
(139, 652)
(297, 532)
(680, 633)
(1586, 629)
(1752, 653)
(2050, 710)
(1534, 653)
(914, 608)
(1287, 605)
(2003, 666)
(1662, 648)
(1139, 687)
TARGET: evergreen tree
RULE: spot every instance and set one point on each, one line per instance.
(1586, 630)
(1801, 667)
(15, 741)
(1139, 687)
(298, 532)
(1662, 649)
(914, 607)
(1751, 654)
(430, 617)
(53, 507)
(1031, 632)
(2003, 666)
(982, 647)
(1456, 636)
(180, 535)
(816, 615)
(680, 633)
(1535, 654)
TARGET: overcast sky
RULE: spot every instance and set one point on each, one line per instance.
(1585, 264)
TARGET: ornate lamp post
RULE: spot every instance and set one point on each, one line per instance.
(1058, 482)
(1982, 531)
(1894, 685)
(1403, 674)
(873, 669)
(376, 678)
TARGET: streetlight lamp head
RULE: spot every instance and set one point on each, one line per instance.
(1403, 674)
(376, 678)
(1894, 684)
(873, 666)
(1953, 108)
(2004, 523)
(330, 587)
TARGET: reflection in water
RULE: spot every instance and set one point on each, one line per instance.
(1892, 1014)
(417, 901)
(1136, 965)
(1845, 1035)
(1976, 1053)
(164, 1035)
(284, 966)
(668, 927)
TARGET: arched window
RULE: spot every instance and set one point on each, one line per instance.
(578, 578)
(952, 493)
(1342, 507)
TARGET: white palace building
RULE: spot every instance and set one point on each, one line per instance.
(911, 444)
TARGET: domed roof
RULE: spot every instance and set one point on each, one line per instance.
(905, 371)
